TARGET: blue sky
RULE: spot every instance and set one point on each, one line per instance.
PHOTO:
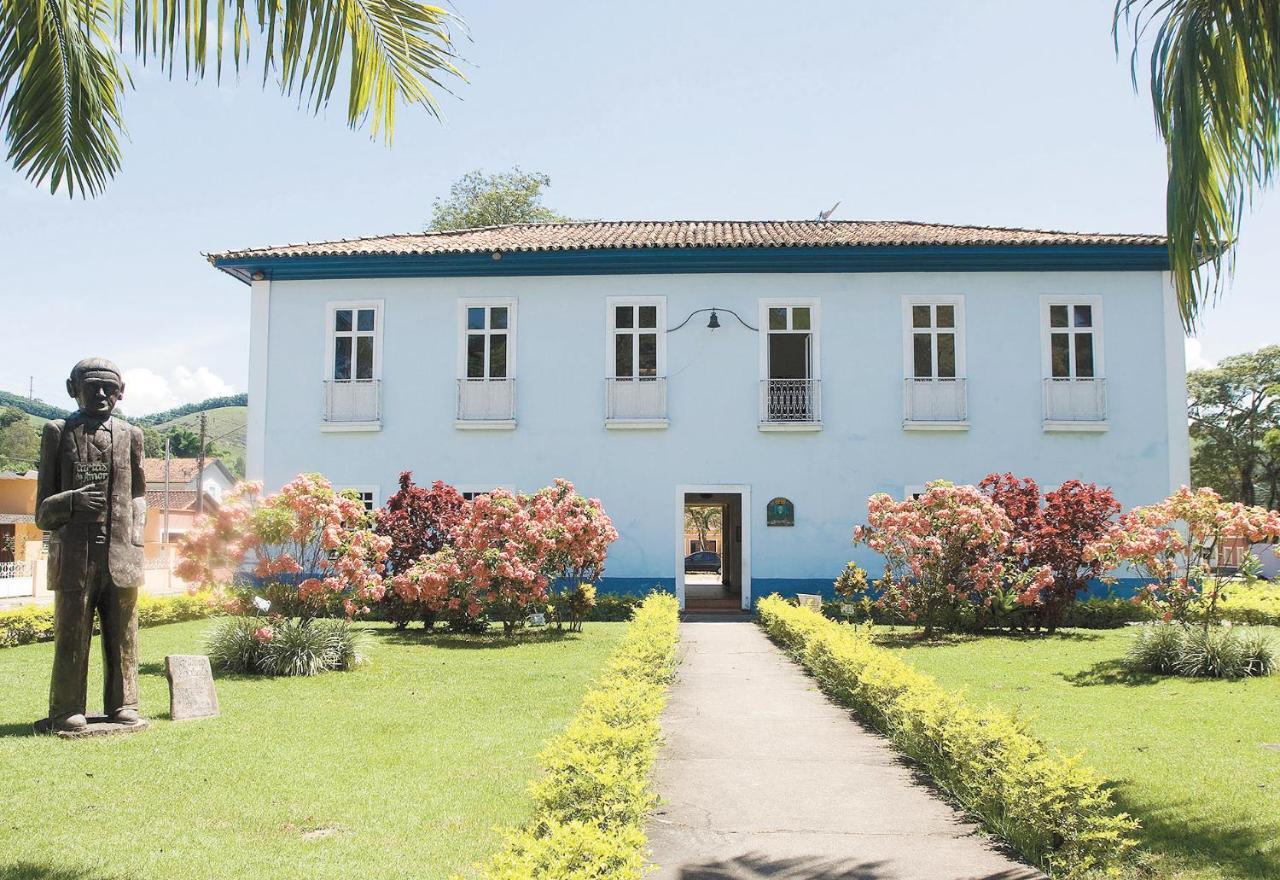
(1003, 113)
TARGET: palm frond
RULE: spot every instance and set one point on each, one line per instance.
(60, 90)
(1215, 90)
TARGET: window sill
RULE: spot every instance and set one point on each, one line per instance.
(1075, 427)
(349, 427)
(485, 424)
(636, 424)
(935, 426)
(790, 427)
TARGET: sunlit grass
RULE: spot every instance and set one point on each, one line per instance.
(403, 768)
(1197, 760)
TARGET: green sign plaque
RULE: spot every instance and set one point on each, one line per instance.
(780, 512)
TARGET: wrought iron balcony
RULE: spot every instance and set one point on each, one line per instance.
(935, 402)
(637, 400)
(791, 402)
(352, 400)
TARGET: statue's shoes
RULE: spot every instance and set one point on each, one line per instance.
(71, 724)
(125, 716)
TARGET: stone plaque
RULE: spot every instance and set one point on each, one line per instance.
(780, 512)
(191, 691)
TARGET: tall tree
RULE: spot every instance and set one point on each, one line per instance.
(1235, 427)
(479, 199)
(62, 66)
(1215, 89)
(703, 521)
(19, 441)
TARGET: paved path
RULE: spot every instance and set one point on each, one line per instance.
(762, 776)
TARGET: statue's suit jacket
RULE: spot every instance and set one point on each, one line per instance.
(60, 449)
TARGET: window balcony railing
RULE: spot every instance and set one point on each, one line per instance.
(352, 400)
(1075, 400)
(935, 401)
(641, 399)
(790, 402)
(487, 400)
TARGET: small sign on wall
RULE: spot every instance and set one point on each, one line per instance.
(780, 512)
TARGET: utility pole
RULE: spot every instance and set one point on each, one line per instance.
(200, 466)
(31, 388)
(166, 490)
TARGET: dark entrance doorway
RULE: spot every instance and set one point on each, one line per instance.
(713, 578)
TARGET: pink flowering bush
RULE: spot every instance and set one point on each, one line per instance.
(418, 521)
(308, 543)
(506, 550)
(1172, 545)
(576, 534)
(943, 550)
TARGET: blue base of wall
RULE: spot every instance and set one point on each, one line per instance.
(1123, 588)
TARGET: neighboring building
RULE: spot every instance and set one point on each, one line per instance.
(182, 514)
(184, 473)
(18, 530)
(784, 370)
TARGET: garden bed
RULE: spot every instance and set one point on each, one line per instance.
(1197, 761)
(403, 768)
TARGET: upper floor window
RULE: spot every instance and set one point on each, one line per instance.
(488, 335)
(789, 384)
(355, 331)
(637, 343)
(368, 496)
(934, 334)
(1074, 330)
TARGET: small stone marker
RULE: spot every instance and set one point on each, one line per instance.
(191, 691)
(809, 600)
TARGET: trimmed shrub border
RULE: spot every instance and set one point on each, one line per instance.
(34, 623)
(591, 802)
(1051, 808)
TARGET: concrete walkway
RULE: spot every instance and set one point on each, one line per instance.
(762, 776)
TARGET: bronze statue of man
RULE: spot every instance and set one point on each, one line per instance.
(92, 496)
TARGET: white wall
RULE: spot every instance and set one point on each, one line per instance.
(713, 400)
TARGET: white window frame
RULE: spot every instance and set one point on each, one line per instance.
(611, 330)
(373, 490)
(480, 489)
(511, 331)
(331, 335)
(1094, 301)
(815, 328)
(908, 334)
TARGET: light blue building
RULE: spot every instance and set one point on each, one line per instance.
(737, 364)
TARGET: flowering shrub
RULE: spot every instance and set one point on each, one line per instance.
(1172, 543)
(418, 521)
(941, 549)
(505, 551)
(575, 604)
(307, 536)
(1054, 532)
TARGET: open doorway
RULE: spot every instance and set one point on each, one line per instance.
(713, 568)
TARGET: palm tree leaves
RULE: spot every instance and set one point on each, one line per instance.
(62, 78)
(1215, 89)
(60, 89)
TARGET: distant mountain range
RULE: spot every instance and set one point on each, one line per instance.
(47, 411)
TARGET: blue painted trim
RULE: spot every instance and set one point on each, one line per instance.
(636, 261)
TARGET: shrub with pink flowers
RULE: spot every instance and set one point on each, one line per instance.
(505, 552)
(1171, 544)
(307, 542)
(576, 534)
(945, 550)
(418, 521)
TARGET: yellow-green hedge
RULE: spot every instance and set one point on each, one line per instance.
(34, 623)
(592, 799)
(1055, 811)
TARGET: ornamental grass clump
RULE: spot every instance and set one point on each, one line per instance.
(284, 646)
(1055, 811)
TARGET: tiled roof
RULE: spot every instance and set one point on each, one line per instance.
(14, 475)
(181, 470)
(641, 234)
(179, 499)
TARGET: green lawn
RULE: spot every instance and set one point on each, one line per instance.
(403, 768)
(1198, 761)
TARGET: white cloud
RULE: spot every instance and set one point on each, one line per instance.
(1195, 355)
(147, 391)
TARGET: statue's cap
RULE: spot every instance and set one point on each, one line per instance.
(94, 365)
